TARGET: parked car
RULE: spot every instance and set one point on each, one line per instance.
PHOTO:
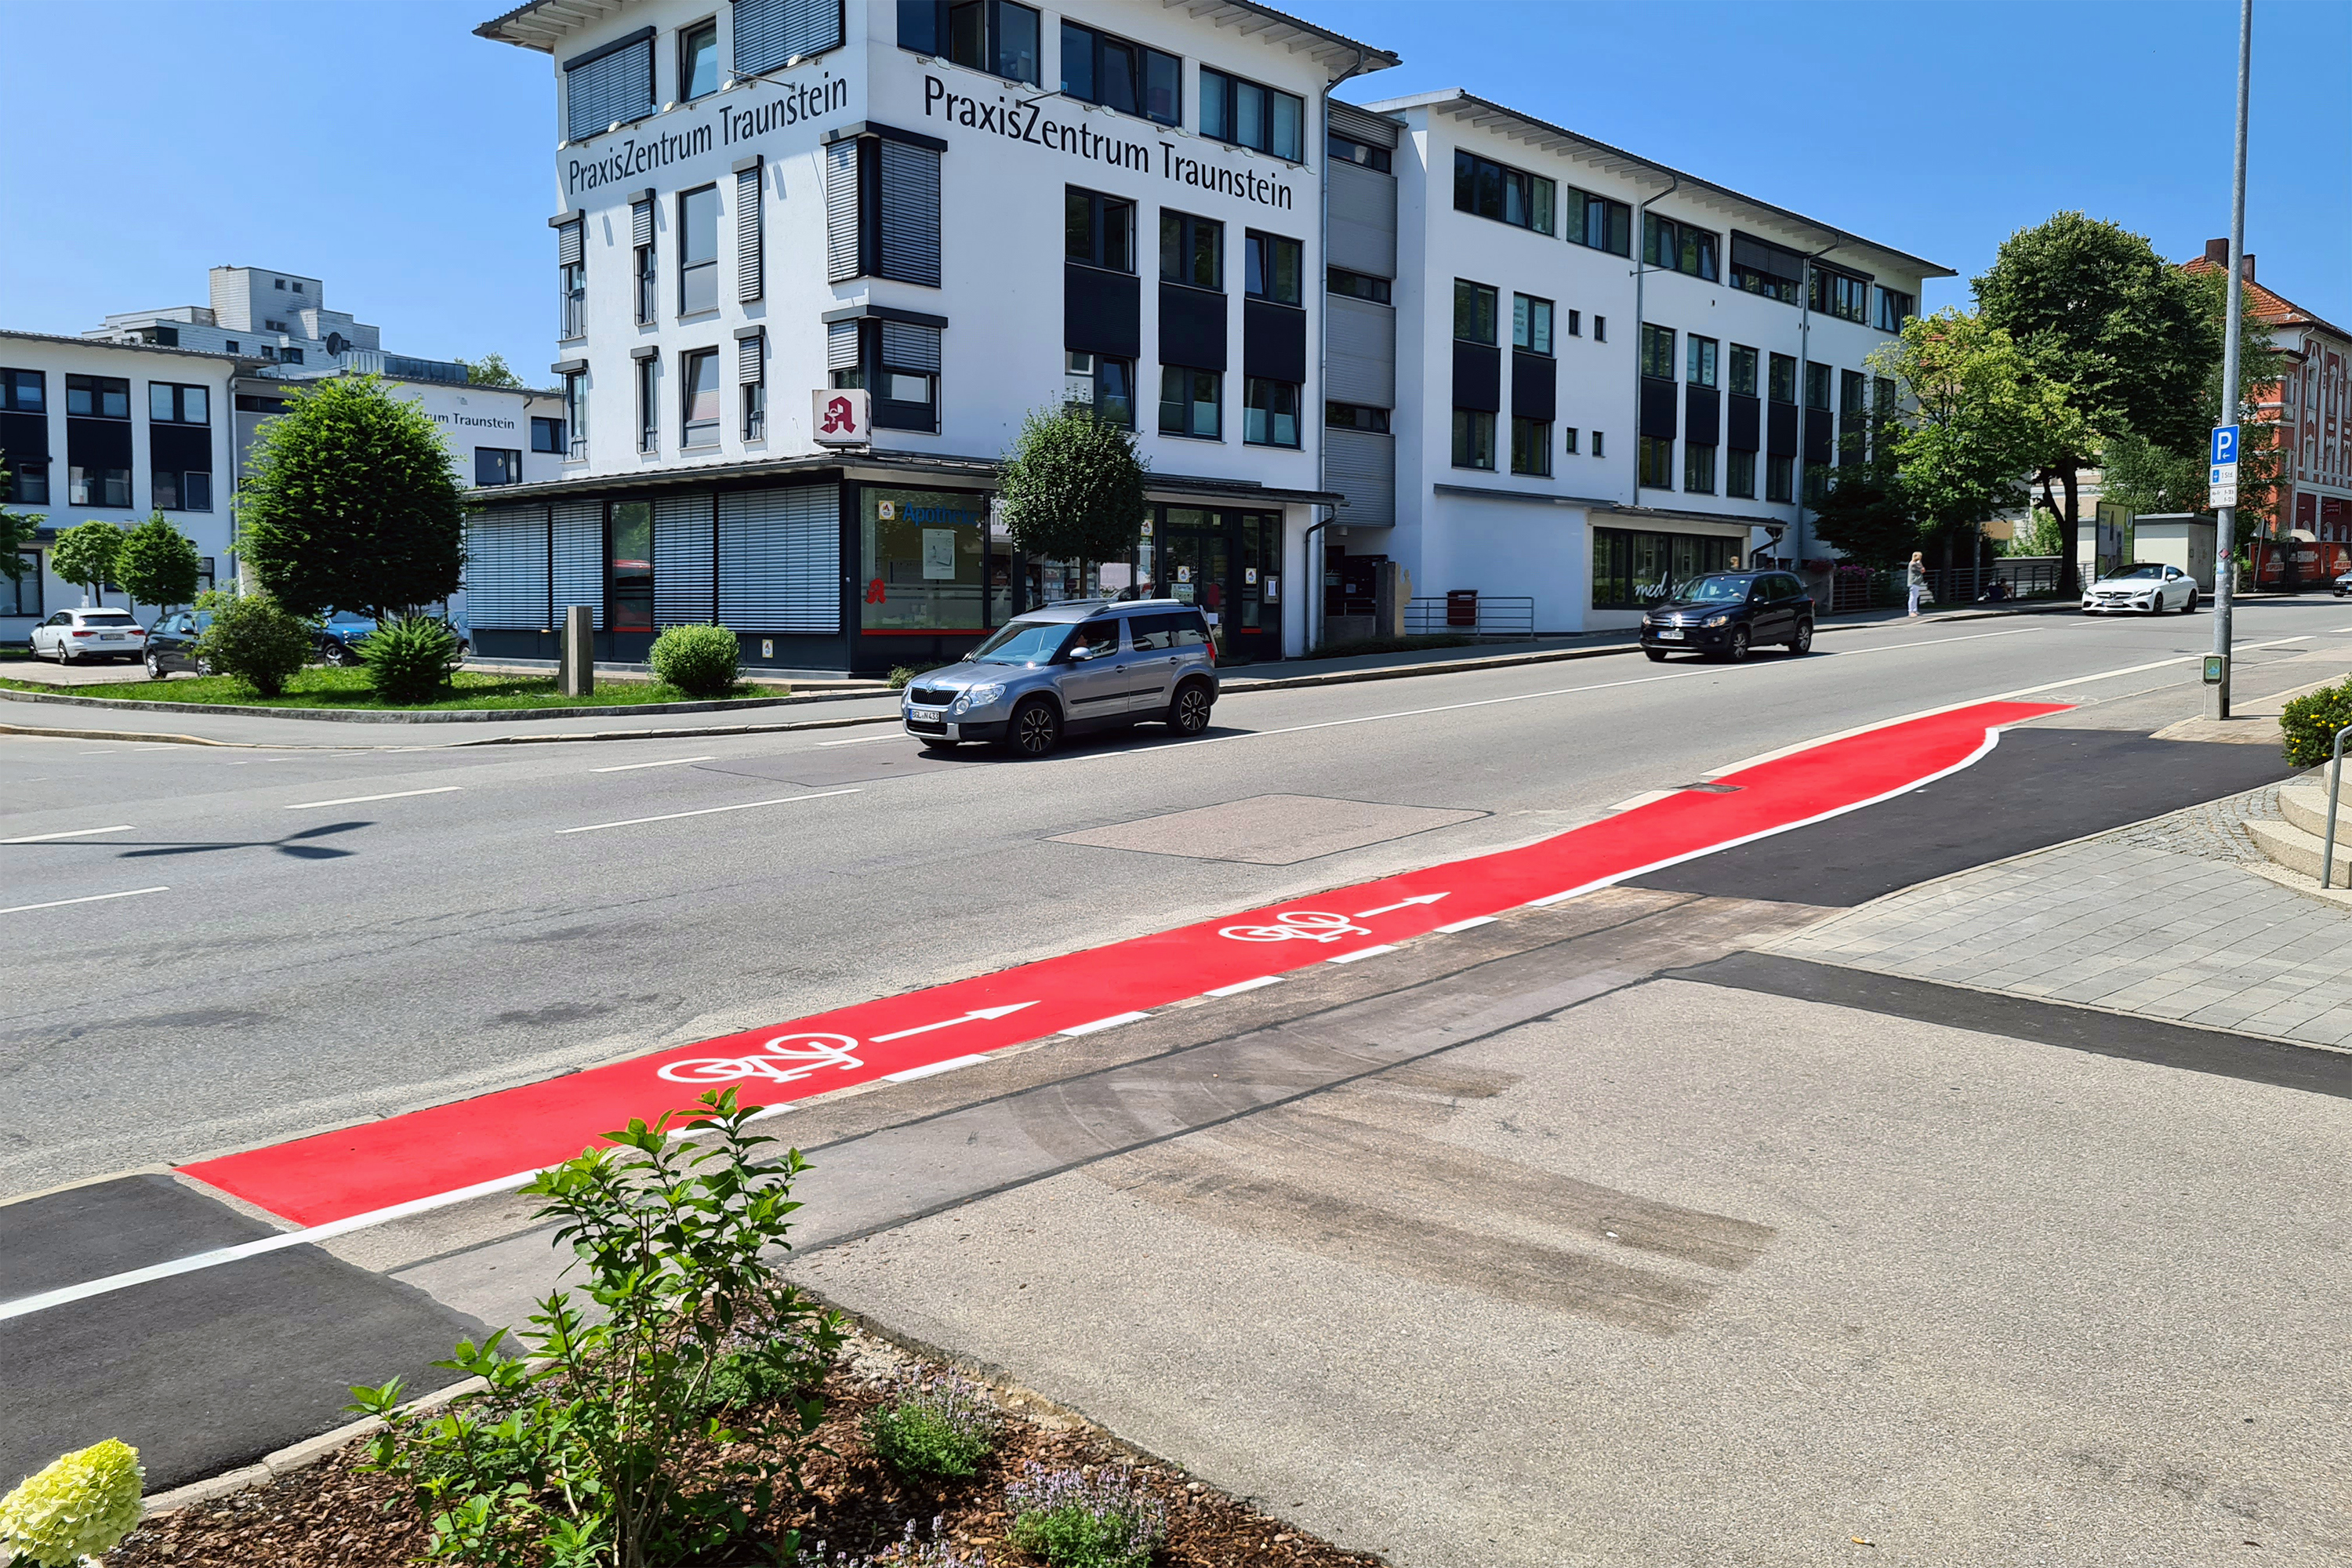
(1726, 613)
(173, 645)
(1090, 663)
(342, 632)
(71, 636)
(2145, 588)
(2344, 585)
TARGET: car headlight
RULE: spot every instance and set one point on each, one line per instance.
(1718, 620)
(980, 696)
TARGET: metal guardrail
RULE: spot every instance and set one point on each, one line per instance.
(2334, 791)
(1496, 619)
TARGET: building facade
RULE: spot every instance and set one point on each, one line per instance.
(815, 262)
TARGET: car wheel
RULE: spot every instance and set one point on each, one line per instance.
(1802, 643)
(336, 654)
(1738, 652)
(1655, 655)
(2190, 606)
(1035, 730)
(204, 666)
(1189, 713)
(65, 655)
(155, 670)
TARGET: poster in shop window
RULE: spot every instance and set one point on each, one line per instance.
(938, 555)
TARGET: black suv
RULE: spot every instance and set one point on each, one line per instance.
(1726, 613)
(172, 644)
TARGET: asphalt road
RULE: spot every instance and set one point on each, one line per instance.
(340, 935)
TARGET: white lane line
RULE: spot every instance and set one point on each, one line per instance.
(925, 1071)
(1474, 922)
(866, 740)
(364, 799)
(1362, 953)
(93, 898)
(75, 833)
(1113, 1022)
(705, 811)
(668, 763)
(1239, 986)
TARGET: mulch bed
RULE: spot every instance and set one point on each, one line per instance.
(335, 1515)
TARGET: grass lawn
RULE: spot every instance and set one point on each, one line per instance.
(320, 686)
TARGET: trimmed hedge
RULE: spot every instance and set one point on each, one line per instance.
(700, 660)
(2311, 723)
(257, 640)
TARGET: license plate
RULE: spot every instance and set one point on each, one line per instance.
(1668, 633)
(929, 724)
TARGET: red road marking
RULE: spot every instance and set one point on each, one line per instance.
(335, 1175)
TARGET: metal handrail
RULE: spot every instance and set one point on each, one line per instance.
(2334, 788)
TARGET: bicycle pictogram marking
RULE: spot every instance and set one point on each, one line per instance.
(785, 1060)
(1304, 925)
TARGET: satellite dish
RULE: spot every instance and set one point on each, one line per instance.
(335, 344)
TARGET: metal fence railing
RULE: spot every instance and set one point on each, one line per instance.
(1863, 589)
(1485, 616)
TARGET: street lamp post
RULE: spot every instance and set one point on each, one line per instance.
(2225, 545)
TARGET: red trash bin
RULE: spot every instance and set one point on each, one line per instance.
(1461, 606)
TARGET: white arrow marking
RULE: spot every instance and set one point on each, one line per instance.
(950, 1023)
(1404, 904)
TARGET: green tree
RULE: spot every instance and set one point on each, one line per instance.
(158, 564)
(354, 504)
(2097, 312)
(85, 555)
(1866, 515)
(490, 370)
(1072, 487)
(17, 531)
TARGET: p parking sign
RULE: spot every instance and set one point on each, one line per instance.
(2225, 446)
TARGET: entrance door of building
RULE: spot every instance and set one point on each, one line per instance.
(1222, 561)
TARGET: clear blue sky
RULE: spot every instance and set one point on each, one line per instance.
(380, 145)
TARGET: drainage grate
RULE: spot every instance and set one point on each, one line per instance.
(1712, 788)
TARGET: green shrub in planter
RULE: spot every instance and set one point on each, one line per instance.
(2311, 723)
(256, 639)
(408, 662)
(698, 661)
(932, 1429)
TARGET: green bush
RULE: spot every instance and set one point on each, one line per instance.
(1073, 1519)
(2311, 723)
(700, 660)
(902, 673)
(932, 1429)
(408, 660)
(255, 639)
(603, 1442)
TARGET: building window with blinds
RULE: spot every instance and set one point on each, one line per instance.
(575, 415)
(699, 384)
(751, 375)
(644, 265)
(649, 404)
(771, 33)
(697, 251)
(882, 208)
(571, 279)
(750, 283)
(898, 361)
(609, 86)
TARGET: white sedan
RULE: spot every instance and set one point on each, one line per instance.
(2146, 590)
(71, 635)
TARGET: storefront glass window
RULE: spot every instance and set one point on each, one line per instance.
(1633, 571)
(925, 555)
(629, 586)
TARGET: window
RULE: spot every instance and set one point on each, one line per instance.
(1494, 190)
(992, 36)
(1657, 462)
(1599, 329)
(1364, 154)
(697, 251)
(232, 345)
(1098, 230)
(1678, 246)
(1355, 416)
(94, 486)
(23, 391)
(1191, 403)
(1780, 479)
(1841, 294)
(1531, 324)
(699, 384)
(97, 397)
(1740, 477)
(1759, 266)
(1895, 307)
(1531, 447)
(1599, 223)
(751, 376)
(1272, 268)
(1191, 250)
(1817, 385)
(1130, 77)
(289, 356)
(28, 482)
(1632, 571)
(178, 405)
(1473, 438)
(184, 490)
(1699, 469)
(575, 414)
(571, 280)
(1568, 440)
(610, 86)
(1576, 323)
(1658, 350)
(1600, 444)
(1358, 285)
(23, 596)
(629, 567)
(281, 283)
(1249, 115)
(547, 435)
(882, 208)
(1784, 379)
(496, 466)
(771, 34)
(697, 59)
(643, 263)
(648, 405)
(1473, 312)
(1270, 413)
(1103, 384)
(899, 360)
(1700, 371)
(1743, 371)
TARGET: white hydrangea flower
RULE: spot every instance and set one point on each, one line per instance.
(78, 1507)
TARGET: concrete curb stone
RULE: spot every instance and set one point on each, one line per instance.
(295, 1456)
(453, 715)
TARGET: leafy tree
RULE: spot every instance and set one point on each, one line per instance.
(354, 504)
(1072, 486)
(85, 555)
(17, 530)
(1866, 515)
(2045, 535)
(490, 370)
(2097, 312)
(2142, 477)
(158, 564)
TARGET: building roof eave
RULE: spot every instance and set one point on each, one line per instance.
(887, 464)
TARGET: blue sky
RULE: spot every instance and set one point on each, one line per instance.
(378, 145)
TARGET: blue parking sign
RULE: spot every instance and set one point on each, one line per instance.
(2225, 443)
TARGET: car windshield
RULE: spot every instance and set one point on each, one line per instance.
(2131, 572)
(1717, 591)
(1024, 642)
(349, 618)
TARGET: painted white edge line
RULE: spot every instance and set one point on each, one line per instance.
(664, 762)
(364, 799)
(1466, 925)
(93, 898)
(1363, 952)
(705, 811)
(929, 1068)
(1113, 1022)
(1238, 986)
(70, 833)
(865, 739)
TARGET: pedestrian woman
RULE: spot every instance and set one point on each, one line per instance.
(1917, 581)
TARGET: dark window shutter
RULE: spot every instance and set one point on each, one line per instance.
(570, 243)
(1102, 312)
(1747, 418)
(749, 207)
(910, 214)
(1191, 326)
(179, 449)
(770, 31)
(1782, 430)
(1477, 377)
(1819, 428)
(641, 224)
(606, 88)
(1535, 386)
(1657, 407)
(1274, 341)
(1703, 415)
(750, 357)
(97, 442)
(841, 345)
(842, 249)
(908, 347)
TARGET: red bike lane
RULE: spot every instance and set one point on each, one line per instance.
(423, 1154)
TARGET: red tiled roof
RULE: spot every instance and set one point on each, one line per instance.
(2270, 307)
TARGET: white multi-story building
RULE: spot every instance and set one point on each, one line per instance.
(765, 208)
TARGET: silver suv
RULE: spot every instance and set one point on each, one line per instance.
(1088, 664)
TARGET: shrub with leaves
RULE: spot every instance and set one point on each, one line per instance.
(1073, 1519)
(599, 1444)
(701, 660)
(158, 564)
(2311, 722)
(1072, 486)
(408, 660)
(78, 1507)
(902, 673)
(933, 1428)
(256, 639)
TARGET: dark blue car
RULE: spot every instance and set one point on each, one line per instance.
(342, 632)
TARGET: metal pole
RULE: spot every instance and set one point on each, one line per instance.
(2225, 544)
(2334, 786)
